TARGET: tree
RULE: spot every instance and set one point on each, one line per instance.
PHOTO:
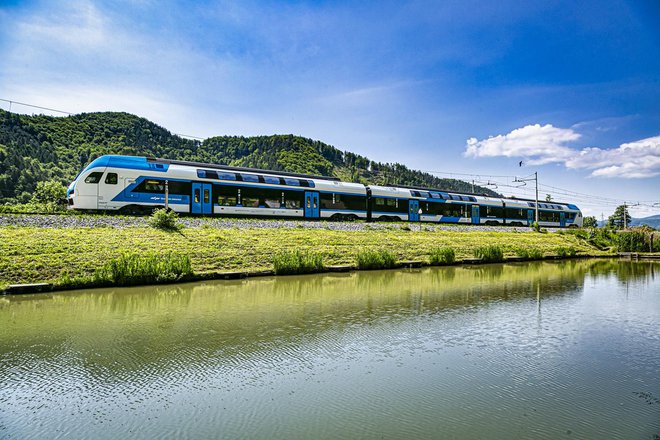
(590, 222)
(620, 218)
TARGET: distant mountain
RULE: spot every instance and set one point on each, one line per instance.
(40, 148)
(652, 221)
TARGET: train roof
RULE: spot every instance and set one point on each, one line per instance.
(238, 169)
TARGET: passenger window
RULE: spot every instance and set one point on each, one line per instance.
(111, 179)
(95, 177)
(196, 196)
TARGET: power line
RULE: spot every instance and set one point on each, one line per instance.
(71, 114)
(581, 198)
(34, 106)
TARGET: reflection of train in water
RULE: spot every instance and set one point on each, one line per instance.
(135, 185)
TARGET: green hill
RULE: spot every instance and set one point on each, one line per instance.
(41, 148)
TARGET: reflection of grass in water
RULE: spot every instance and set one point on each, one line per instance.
(241, 311)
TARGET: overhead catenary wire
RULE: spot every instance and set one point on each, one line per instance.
(502, 182)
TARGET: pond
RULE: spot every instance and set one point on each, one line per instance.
(549, 350)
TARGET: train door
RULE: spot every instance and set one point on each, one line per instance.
(530, 217)
(562, 219)
(311, 204)
(413, 210)
(475, 214)
(202, 198)
(87, 191)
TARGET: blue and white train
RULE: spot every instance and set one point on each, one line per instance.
(136, 185)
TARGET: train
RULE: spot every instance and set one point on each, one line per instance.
(138, 185)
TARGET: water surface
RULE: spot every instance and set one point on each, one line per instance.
(535, 350)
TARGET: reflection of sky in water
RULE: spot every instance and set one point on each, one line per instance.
(530, 350)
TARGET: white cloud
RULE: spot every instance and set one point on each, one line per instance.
(547, 144)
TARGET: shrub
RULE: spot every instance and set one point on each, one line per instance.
(443, 255)
(535, 226)
(489, 254)
(375, 259)
(50, 192)
(296, 262)
(164, 220)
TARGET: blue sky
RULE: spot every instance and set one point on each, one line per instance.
(570, 88)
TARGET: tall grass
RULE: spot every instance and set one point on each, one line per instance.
(375, 259)
(530, 254)
(442, 255)
(489, 254)
(295, 262)
(132, 269)
(566, 251)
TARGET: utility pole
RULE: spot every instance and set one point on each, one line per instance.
(536, 180)
(472, 186)
(167, 195)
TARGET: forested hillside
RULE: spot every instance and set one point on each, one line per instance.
(42, 148)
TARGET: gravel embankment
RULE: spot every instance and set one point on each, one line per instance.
(100, 221)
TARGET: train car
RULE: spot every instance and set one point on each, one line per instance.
(430, 205)
(389, 203)
(137, 185)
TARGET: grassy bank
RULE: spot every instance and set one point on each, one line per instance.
(29, 255)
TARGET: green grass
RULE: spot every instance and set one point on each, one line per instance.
(375, 259)
(29, 254)
(297, 262)
(442, 255)
(489, 254)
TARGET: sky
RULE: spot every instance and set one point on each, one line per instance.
(486, 91)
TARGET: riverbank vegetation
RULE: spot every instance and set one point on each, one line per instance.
(489, 253)
(442, 255)
(33, 254)
(133, 269)
(369, 259)
(291, 262)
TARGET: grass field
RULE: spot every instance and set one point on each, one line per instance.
(30, 255)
